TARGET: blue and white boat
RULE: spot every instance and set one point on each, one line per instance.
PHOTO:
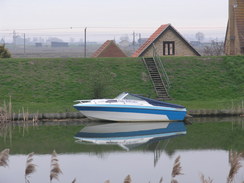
(127, 134)
(130, 107)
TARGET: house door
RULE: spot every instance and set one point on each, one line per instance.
(169, 48)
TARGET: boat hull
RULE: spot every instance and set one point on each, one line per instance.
(130, 113)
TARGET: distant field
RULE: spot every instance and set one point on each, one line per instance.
(51, 52)
(52, 84)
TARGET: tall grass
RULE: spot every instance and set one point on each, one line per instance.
(6, 121)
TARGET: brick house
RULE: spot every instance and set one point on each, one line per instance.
(234, 38)
(167, 41)
(109, 49)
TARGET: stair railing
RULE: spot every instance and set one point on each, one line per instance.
(161, 67)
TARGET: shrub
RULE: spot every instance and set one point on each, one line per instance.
(4, 53)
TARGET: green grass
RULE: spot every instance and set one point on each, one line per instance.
(52, 84)
(44, 139)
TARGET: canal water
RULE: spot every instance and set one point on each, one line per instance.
(144, 163)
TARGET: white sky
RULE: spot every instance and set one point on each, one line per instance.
(182, 14)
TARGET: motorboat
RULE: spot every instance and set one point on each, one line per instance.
(130, 107)
(129, 134)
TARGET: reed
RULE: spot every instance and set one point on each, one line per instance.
(30, 167)
(206, 180)
(5, 120)
(176, 170)
(161, 180)
(127, 179)
(4, 155)
(74, 181)
(235, 165)
(55, 169)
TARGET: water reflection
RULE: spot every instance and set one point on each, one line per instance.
(86, 167)
(128, 135)
(148, 162)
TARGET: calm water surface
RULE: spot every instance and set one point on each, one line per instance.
(88, 167)
(141, 164)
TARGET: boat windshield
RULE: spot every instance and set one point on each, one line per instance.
(127, 96)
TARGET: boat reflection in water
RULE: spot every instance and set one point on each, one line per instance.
(128, 135)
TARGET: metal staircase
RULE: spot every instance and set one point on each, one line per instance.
(158, 76)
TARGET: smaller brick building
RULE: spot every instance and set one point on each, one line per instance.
(167, 41)
(109, 49)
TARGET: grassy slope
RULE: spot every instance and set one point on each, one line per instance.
(51, 85)
(206, 82)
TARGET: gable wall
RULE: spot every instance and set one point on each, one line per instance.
(237, 48)
(181, 49)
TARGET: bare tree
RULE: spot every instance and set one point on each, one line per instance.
(214, 49)
(200, 36)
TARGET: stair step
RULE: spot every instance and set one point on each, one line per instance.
(156, 79)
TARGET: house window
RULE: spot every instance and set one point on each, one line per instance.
(242, 50)
(168, 47)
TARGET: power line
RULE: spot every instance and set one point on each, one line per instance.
(111, 27)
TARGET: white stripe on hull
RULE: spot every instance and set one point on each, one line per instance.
(128, 140)
(124, 116)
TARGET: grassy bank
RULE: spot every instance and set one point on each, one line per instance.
(199, 136)
(52, 84)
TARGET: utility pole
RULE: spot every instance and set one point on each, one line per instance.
(134, 35)
(85, 42)
(14, 38)
(24, 44)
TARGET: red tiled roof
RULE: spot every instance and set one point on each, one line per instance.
(150, 40)
(109, 49)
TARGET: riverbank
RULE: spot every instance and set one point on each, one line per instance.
(50, 85)
(77, 115)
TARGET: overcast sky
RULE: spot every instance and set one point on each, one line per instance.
(182, 14)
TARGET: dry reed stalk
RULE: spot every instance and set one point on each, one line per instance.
(242, 154)
(30, 167)
(74, 180)
(35, 120)
(235, 165)
(176, 168)
(55, 169)
(5, 120)
(127, 179)
(174, 181)
(107, 181)
(206, 180)
(25, 120)
(161, 180)
(4, 157)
